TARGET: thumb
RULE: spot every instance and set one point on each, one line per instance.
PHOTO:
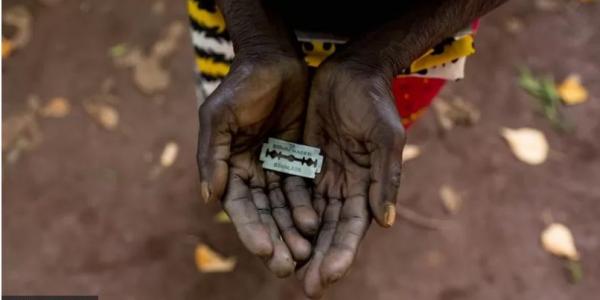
(214, 144)
(386, 165)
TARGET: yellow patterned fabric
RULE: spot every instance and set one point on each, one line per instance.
(316, 51)
(204, 17)
(214, 50)
(452, 50)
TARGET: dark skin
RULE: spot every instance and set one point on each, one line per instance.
(263, 96)
(346, 109)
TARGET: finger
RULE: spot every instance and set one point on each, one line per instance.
(304, 215)
(214, 143)
(244, 216)
(319, 204)
(386, 165)
(301, 268)
(297, 244)
(313, 283)
(281, 262)
(352, 226)
(313, 125)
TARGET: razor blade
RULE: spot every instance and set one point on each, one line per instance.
(290, 158)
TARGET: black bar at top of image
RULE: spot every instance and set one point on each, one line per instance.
(49, 297)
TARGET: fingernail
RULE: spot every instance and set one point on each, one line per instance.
(389, 216)
(205, 191)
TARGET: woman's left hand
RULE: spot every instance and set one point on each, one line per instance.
(352, 118)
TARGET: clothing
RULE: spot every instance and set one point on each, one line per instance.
(414, 88)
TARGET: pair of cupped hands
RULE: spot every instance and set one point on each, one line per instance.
(313, 227)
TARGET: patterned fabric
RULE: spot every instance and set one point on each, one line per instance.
(414, 88)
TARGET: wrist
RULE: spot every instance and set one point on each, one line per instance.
(265, 48)
(357, 69)
(256, 29)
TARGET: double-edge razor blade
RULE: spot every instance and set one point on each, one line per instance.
(290, 158)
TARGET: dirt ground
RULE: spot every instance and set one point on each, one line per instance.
(82, 215)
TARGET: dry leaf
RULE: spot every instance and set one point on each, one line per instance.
(450, 198)
(434, 258)
(104, 114)
(165, 46)
(571, 91)
(455, 113)
(410, 152)
(19, 17)
(169, 154)
(222, 217)
(158, 7)
(6, 48)
(527, 144)
(51, 2)
(117, 50)
(513, 25)
(105, 95)
(18, 127)
(56, 108)
(20, 133)
(150, 77)
(575, 271)
(208, 261)
(148, 73)
(558, 240)
(547, 5)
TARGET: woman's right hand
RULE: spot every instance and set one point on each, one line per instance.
(261, 97)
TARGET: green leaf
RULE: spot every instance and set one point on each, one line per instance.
(544, 90)
(575, 271)
(117, 50)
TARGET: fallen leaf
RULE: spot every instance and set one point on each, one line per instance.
(51, 2)
(57, 107)
(148, 73)
(209, 261)
(118, 50)
(104, 114)
(455, 113)
(20, 133)
(105, 95)
(558, 240)
(169, 154)
(575, 271)
(158, 7)
(222, 217)
(547, 5)
(167, 45)
(410, 152)
(130, 58)
(450, 198)
(513, 25)
(6, 48)
(150, 77)
(571, 91)
(527, 144)
(19, 17)
(33, 103)
(434, 258)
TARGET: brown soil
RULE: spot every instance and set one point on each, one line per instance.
(81, 215)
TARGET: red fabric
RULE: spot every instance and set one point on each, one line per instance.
(413, 95)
